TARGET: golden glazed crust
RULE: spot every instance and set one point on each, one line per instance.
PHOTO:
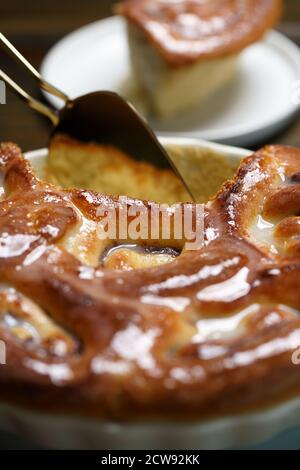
(213, 331)
(108, 170)
(186, 31)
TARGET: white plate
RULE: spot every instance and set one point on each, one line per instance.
(239, 431)
(258, 103)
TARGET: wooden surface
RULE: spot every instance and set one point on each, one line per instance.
(34, 26)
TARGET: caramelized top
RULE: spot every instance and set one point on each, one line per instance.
(186, 31)
(212, 330)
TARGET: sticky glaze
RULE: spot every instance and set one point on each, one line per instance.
(185, 31)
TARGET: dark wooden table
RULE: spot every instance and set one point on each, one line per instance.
(34, 26)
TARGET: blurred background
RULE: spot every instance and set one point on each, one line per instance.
(34, 26)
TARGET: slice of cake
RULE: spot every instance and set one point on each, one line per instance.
(184, 50)
(107, 170)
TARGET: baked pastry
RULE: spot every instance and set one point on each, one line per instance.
(183, 51)
(110, 170)
(211, 331)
